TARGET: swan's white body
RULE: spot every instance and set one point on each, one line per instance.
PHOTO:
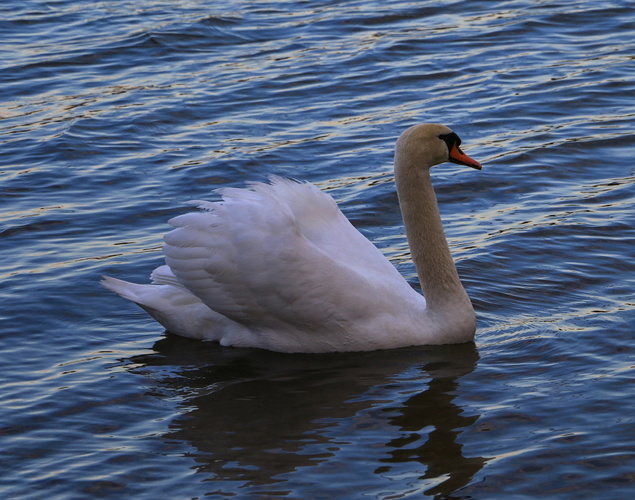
(278, 266)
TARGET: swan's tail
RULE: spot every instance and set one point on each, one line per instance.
(178, 310)
(126, 289)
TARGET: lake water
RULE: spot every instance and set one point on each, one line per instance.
(115, 113)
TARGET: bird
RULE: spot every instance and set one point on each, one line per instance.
(276, 265)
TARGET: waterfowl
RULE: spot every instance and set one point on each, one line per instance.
(278, 266)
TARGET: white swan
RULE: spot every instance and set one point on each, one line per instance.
(278, 266)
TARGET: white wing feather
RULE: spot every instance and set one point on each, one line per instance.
(278, 266)
(282, 260)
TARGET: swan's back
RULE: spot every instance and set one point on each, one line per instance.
(283, 261)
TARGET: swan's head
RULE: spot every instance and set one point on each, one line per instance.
(429, 144)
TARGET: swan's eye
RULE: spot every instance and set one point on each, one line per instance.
(450, 140)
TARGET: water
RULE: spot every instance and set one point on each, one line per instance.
(116, 113)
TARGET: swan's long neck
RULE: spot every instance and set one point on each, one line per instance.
(428, 245)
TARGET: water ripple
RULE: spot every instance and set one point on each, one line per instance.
(115, 113)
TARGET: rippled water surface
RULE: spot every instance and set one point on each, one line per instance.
(115, 113)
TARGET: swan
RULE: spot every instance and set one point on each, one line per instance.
(278, 266)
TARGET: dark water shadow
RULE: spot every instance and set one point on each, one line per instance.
(255, 417)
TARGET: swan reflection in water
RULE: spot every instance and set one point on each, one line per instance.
(346, 420)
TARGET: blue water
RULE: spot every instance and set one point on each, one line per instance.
(115, 113)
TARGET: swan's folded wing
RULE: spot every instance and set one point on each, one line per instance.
(280, 256)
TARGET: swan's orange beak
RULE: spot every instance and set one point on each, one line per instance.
(458, 156)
